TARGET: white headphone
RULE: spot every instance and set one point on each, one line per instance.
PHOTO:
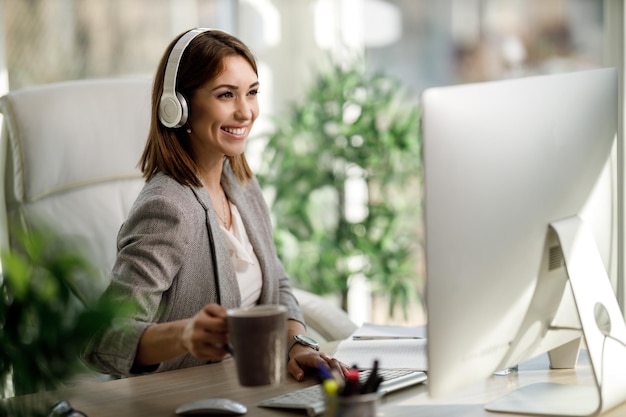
(173, 108)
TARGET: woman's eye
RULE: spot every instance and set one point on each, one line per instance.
(227, 94)
(253, 92)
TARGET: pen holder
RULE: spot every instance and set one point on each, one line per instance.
(364, 405)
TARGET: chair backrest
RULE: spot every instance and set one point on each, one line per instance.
(71, 153)
(325, 321)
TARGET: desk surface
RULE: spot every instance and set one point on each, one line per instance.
(158, 395)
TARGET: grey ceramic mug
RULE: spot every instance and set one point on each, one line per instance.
(259, 338)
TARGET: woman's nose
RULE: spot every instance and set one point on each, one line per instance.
(243, 110)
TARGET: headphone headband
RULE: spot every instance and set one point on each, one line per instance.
(173, 109)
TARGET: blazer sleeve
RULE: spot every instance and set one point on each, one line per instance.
(156, 225)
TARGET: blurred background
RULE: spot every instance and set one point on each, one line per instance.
(416, 43)
(423, 42)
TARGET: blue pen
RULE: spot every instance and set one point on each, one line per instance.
(324, 372)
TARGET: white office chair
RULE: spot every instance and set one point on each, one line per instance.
(70, 153)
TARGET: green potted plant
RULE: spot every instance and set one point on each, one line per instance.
(351, 130)
(44, 318)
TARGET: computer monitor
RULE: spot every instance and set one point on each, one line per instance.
(513, 266)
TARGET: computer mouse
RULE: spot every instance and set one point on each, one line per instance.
(212, 406)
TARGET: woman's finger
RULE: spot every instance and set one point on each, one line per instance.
(337, 365)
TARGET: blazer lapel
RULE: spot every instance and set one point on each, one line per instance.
(225, 278)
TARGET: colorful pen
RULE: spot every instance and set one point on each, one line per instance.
(329, 383)
(352, 386)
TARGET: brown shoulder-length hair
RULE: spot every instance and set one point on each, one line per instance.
(168, 150)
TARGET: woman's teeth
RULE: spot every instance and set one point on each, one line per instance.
(237, 131)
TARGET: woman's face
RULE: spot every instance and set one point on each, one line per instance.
(222, 112)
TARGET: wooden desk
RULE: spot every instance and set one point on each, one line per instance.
(158, 395)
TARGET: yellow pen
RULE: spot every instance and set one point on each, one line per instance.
(331, 387)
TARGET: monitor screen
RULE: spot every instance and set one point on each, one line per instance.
(505, 164)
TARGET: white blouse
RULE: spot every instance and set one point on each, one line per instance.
(244, 260)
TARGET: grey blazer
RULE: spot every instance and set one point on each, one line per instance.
(173, 260)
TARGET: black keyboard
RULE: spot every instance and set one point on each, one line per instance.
(311, 399)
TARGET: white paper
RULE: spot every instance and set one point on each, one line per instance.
(377, 331)
(391, 353)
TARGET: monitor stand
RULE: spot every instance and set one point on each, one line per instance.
(603, 329)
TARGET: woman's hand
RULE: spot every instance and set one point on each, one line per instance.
(205, 334)
(304, 357)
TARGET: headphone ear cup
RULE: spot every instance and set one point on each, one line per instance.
(169, 110)
(184, 109)
(173, 111)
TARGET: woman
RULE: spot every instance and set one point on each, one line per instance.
(198, 239)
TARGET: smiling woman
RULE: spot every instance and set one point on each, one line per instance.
(198, 239)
